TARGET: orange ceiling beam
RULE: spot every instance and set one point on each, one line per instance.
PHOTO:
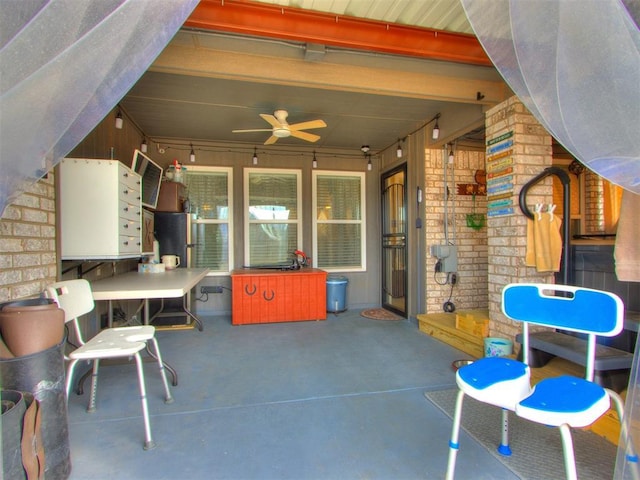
(250, 18)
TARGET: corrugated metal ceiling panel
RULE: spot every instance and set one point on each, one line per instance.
(437, 14)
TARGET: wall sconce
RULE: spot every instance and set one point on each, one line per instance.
(119, 120)
(192, 155)
(255, 156)
(315, 162)
(576, 168)
(143, 146)
(435, 134)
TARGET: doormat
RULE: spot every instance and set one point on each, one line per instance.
(380, 314)
(537, 449)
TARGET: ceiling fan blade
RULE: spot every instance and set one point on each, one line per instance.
(308, 125)
(271, 120)
(271, 140)
(252, 130)
(309, 137)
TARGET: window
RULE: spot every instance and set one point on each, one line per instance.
(273, 219)
(210, 196)
(339, 221)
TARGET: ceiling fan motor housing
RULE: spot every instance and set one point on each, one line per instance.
(281, 132)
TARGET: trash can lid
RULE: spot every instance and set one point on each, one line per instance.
(337, 279)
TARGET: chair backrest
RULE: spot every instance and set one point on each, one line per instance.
(565, 307)
(72, 296)
(575, 309)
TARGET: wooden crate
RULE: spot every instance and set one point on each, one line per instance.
(442, 326)
(475, 322)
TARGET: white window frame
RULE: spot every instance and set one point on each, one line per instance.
(247, 222)
(363, 220)
(228, 221)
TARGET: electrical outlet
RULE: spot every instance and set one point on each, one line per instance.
(211, 289)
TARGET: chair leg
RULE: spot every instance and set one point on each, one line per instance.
(148, 441)
(163, 374)
(569, 456)
(504, 448)
(455, 433)
(630, 454)
(94, 387)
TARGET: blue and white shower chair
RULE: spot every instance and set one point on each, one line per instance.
(565, 401)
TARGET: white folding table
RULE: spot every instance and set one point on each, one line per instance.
(174, 283)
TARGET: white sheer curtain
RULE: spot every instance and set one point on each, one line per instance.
(575, 64)
(65, 64)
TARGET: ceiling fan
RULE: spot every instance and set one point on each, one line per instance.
(281, 129)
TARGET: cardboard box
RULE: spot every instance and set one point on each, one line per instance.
(171, 198)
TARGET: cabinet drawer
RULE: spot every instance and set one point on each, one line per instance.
(129, 244)
(130, 181)
(130, 211)
(130, 228)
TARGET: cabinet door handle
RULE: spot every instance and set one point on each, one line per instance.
(125, 243)
(126, 209)
(126, 225)
(264, 295)
(248, 292)
(126, 192)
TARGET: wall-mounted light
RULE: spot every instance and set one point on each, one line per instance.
(365, 151)
(315, 162)
(255, 156)
(576, 168)
(119, 120)
(192, 155)
(143, 146)
(435, 134)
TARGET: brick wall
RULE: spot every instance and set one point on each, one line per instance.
(507, 234)
(470, 292)
(28, 242)
(594, 203)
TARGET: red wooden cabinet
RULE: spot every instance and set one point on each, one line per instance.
(269, 296)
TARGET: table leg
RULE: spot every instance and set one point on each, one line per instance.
(174, 374)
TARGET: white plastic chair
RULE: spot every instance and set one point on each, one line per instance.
(497, 381)
(76, 299)
(567, 401)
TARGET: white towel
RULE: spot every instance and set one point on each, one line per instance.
(627, 249)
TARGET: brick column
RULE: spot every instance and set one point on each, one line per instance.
(530, 153)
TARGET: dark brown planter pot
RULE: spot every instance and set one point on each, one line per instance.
(31, 326)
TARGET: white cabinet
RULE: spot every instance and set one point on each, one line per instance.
(100, 210)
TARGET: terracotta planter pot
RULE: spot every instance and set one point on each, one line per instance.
(31, 326)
